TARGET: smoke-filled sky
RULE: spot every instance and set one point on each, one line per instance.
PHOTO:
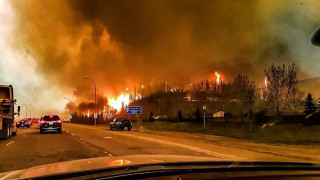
(47, 47)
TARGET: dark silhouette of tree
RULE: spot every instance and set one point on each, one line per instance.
(309, 105)
(198, 114)
(180, 118)
(244, 92)
(151, 118)
(282, 81)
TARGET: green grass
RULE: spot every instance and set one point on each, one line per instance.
(278, 133)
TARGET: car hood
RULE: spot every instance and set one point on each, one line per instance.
(99, 163)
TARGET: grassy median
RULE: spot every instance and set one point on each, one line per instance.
(277, 133)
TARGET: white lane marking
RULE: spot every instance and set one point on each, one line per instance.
(106, 152)
(72, 134)
(192, 148)
(67, 131)
(10, 143)
(107, 137)
(109, 154)
(23, 134)
(81, 139)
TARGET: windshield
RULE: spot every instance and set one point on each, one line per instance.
(51, 118)
(4, 93)
(232, 80)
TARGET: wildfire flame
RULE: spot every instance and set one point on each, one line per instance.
(218, 77)
(266, 82)
(117, 102)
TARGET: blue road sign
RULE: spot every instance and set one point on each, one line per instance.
(134, 110)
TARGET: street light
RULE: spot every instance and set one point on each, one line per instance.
(95, 100)
(30, 113)
(27, 109)
(69, 105)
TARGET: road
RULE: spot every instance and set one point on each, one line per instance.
(30, 148)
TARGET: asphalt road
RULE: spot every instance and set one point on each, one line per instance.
(30, 148)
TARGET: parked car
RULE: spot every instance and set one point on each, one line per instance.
(120, 124)
(50, 123)
(23, 123)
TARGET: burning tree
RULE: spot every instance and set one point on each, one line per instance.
(282, 81)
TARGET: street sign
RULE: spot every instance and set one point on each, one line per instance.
(70, 117)
(134, 110)
(204, 107)
(95, 115)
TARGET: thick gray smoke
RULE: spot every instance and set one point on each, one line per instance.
(123, 44)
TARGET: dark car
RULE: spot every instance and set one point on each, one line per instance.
(23, 123)
(50, 123)
(120, 124)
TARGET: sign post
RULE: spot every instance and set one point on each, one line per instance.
(135, 110)
(204, 107)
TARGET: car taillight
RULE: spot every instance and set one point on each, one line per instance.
(42, 121)
(59, 121)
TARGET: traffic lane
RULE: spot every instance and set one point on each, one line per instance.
(118, 144)
(30, 148)
(125, 142)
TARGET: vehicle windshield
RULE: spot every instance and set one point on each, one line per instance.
(51, 118)
(4, 93)
(227, 80)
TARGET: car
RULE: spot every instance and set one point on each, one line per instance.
(50, 123)
(120, 124)
(39, 122)
(66, 119)
(23, 123)
(30, 121)
(35, 120)
(162, 167)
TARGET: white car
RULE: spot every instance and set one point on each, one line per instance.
(66, 119)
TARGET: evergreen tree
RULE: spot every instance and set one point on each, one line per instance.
(180, 118)
(198, 114)
(309, 105)
(151, 118)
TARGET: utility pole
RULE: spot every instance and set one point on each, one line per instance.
(95, 100)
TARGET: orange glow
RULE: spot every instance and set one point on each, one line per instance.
(117, 102)
(266, 82)
(120, 162)
(218, 77)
